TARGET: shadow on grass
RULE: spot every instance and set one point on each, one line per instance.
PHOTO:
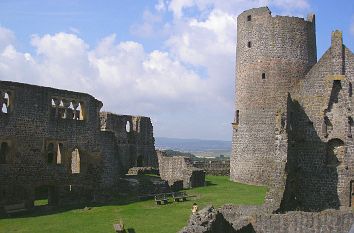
(49, 210)
(44, 210)
(209, 183)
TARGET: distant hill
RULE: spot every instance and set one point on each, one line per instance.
(194, 145)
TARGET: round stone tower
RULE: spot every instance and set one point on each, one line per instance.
(273, 53)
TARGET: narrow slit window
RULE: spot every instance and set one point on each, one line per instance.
(249, 44)
(350, 90)
(50, 153)
(3, 151)
(249, 17)
(237, 120)
(263, 75)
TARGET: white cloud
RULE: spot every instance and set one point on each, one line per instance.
(235, 6)
(161, 5)
(6, 37)
(122, 74)
(150, 26)
(187, 87)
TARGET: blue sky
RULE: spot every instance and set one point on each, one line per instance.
(172, 60)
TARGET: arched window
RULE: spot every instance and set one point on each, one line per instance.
(75, 161)
(127, 127)
(335, 152)
(3, 152)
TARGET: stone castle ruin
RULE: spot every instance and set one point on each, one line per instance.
(292, 130)
(180, 169)
(60, 141)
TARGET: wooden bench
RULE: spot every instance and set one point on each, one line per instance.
(15, 208)
(179, 196)
(161, 199)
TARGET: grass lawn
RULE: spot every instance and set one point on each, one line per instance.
(138, 217)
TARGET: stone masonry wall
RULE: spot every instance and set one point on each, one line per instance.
(214, 167)
(320, 157)
(53, 138)
(135, 142)
(272, 54)
(178, 168)
(210, 220)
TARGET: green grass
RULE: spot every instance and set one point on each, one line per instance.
(41, 202)
(139, 217)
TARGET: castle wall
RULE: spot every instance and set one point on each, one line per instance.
(320, 125)
(214, 167)
(179, 168)
(53, 139)
(136, 145)
(281, 51)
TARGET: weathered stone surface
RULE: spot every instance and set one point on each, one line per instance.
(292, 129)
(254, 219)
(142, 170)
(214, 167)
(177, 168)
(60, 140)
(207, 220)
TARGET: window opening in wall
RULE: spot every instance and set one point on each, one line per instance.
(75, 161)
(53, 103)
(249, 44)
(335, 152)
(81, 111)
(351, 200)
(6, 103)
(249, 17)
(127, 127)
(263, 75)
(139, 162)
(59, 153)
(4, 108)
(350, 90)
(7, 99)
(350, 122)
(50, 153)
(237, 118)
(3, 151)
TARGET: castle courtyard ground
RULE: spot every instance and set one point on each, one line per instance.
(137, 216)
